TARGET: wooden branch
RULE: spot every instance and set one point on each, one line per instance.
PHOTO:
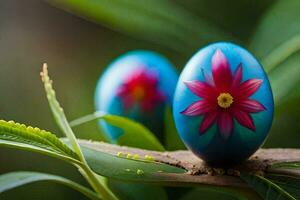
(197, 170)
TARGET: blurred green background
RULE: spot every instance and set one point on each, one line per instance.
(77, 50)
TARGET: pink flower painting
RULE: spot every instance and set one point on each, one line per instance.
(141, 88)
(224, 97)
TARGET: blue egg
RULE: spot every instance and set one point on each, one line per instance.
(223, 104)
(138, 85)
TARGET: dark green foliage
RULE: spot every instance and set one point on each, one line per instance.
(16, 179)
(269, 189)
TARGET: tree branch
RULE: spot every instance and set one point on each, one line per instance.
(198, 171)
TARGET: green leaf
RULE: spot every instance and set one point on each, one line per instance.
(134, 133)
(267, 189)
(61, 120)
(279, 51)
(199, 193)
(220, 193)
(108, 165)
(137, 191)
(121, 168)
(282, 17)
(58, 112)
(159, 21)
(276, 43)
(287, 165)
(240, 17)
(33, 139)
(36, 149)
(286, 118)
(285, 80)
(172, 139)
(289, 183)
(16, 179)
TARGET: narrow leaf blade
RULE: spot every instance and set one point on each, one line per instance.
(36, 149)
(159, 21)
(129, 191)
(289, 183)
(122, 164)
(121, 168)
(267, 189)
(34, 139)
(16, 179)
(134, 134)
(287, 165)
(58, 112)
(280, 52)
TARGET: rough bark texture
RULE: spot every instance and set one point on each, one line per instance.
(197, 170)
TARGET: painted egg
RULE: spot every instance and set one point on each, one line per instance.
(138, 85)
(223, 104)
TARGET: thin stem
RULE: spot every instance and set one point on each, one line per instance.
(58, 112)
(281, 53)
(63, 123)
(87, 118)
(95, 183)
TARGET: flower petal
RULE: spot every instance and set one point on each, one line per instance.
(201, 89)
(147, 105)
(247, 88)
(122, 91)
(207, 122)
(197, 108)
(127, 102)
(221, 71)
(159, 96)
(244, 119)
(237, 77)
(150, 79)
(207, 78)
(225, 124)
(251, 106)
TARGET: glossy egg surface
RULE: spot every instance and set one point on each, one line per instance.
(138, 85)
(223, 104)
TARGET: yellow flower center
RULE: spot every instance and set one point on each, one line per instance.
(225, 100)
(138, 93)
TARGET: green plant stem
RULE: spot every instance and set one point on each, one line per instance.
(63, 123)
(95, 183)
(87, 118)
(58, 112)
(281, 53)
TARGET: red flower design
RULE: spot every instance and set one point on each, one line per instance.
(224, 97)
(141, 87)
